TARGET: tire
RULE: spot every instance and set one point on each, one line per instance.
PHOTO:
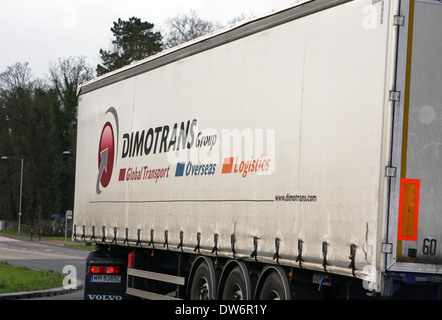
(273, 288)
(202, 283)
(235, 287)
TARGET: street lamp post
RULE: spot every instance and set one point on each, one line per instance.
(69, 212)
(21, 189)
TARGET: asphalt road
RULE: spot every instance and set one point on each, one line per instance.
(46, 255)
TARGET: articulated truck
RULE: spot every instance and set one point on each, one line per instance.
(293, 155)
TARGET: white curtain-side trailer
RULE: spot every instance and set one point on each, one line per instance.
(292, 155)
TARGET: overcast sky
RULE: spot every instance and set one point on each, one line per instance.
(41, 31)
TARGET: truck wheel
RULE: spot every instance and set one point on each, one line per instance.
(202, 283)
(235, 287)
(274, 288)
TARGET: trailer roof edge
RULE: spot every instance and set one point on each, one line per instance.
(225, 35)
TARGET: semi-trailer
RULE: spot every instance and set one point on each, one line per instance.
(292, 155)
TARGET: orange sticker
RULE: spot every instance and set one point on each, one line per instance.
(408, 209)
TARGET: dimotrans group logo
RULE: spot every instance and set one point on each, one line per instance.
(106, 152)
(188, 150)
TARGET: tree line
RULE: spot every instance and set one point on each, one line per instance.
(38, 117)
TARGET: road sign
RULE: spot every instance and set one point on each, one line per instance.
(69, 214)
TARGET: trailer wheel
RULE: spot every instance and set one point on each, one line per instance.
(235, 287)
(275, 286)
(202, 288)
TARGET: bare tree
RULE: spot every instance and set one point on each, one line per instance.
(238, 18)
(186, 27)
(25, 104)
(16, 76)
(66, 75)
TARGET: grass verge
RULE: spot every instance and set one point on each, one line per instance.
(17, 279)
(69, 242)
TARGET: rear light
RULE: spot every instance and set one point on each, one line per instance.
(105, 269)
(130, 260)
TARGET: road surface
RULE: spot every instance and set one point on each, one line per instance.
(41, 255)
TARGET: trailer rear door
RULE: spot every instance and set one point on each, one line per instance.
(415, 222)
